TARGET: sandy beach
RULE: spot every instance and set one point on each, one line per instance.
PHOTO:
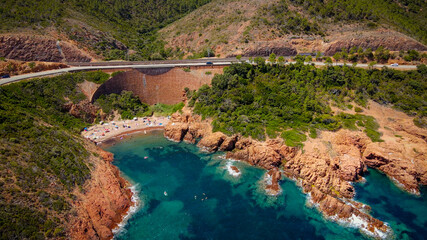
(114, 129)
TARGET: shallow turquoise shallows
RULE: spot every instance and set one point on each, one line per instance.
(187, 194)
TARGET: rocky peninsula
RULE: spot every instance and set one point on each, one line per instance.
(328, 165)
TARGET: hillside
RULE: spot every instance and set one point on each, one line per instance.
(81, 30)
(253, 27)
(100, 29)
(272, 100)
(52, 180)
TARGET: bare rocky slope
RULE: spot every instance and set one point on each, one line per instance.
(251, 28)
(38, 48)
(329, 164)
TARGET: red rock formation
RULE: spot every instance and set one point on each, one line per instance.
(273, 187)
(84, 110)
(105, 200)
(38, 48)
(212, 142)
(323, 170)
(266, 48)
(256, 154)
(235, 169)
(406, 171)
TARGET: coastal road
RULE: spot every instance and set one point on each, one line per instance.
(95, 66)
(75, 67)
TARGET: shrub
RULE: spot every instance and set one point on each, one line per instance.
(358, 109)
(293, 138)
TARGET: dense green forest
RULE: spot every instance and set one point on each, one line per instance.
(263, 99)
(129, 106)
(408, 16)
(133, 22)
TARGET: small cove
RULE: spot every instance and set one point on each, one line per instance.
(205, 202)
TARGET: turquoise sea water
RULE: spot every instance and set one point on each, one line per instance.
(205, 202)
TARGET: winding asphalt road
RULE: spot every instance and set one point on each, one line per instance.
(75, 67)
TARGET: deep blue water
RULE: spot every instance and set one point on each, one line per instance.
(205, 202)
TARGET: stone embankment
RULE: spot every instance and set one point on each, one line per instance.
(325, 170)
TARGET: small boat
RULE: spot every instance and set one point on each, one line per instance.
(165, 193)
(145, 157)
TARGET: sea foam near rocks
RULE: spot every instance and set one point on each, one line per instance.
(132, 210)
(231, 171)
(358, 222)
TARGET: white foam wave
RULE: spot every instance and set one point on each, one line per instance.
(172, 140)
(268, 181)
(355, 221)
(231, 171)
(132, 210)
(403, 188)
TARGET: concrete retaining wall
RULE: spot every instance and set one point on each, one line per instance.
(159, 85)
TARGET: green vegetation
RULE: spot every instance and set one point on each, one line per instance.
(368, 123)
(96, 76)
(208, 52)
(161, 109)
(358, 109)
(40, 154)
(255, 100)
(293, 138)
(410, 16)
(17, 222)
(128, 105)
(381, 55)
(280, 17)
(133, 22)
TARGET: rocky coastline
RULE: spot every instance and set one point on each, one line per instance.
(104, 201)
(325, 169)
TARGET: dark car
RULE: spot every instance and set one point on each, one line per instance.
(209, 63)
(5, 76)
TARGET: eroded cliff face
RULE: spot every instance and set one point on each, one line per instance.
(326, 168)
(38, 48)
(104, 201)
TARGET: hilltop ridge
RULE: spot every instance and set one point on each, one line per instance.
(254, 28)
(154, 30)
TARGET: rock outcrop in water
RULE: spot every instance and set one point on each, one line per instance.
(324, 170)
